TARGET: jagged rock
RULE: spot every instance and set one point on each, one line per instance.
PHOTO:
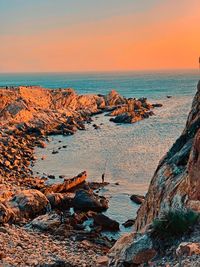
(132, 116)
(106, 223)
(132, 249)
(114, 99)
(67, 184)
(85, 200)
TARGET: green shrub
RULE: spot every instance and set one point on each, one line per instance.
(174, 223)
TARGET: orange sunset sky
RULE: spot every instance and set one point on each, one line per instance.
(98, 35)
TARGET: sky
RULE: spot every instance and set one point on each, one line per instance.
(98, 35)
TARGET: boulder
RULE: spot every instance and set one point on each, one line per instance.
(85, 201)
(157, 105)
(46, 222)
(30, 203)
(129, 223)
(122, 118)
(138, 199)
(60, 201)
(106, 223)
(132, 249)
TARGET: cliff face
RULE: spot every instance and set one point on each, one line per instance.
(30, 104)
(176, 182)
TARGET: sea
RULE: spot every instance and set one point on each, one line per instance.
(127, 154)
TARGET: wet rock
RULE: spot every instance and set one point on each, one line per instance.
(122, 118)
(54, 152)
(51, 176)
(41, 144)
(157, 105)
(129, 223)
(106, 223)
(84, 200)
(96, 185)
(96, 127)
(138, 199)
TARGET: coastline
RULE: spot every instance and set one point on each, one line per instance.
(28, 116)
(24, 127)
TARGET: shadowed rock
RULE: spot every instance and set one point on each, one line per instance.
(85, 200)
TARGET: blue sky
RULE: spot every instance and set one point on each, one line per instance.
(27, 16)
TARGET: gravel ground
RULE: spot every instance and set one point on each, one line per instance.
(20, 247)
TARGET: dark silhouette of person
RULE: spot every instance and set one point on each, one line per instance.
(103, 178)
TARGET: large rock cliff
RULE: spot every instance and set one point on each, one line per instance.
(176, 182)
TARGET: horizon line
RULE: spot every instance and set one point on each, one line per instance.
(100, 71)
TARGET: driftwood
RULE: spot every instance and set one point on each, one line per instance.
(67, 184)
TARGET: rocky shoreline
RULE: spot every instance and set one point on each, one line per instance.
(28, 115)
(47, 225)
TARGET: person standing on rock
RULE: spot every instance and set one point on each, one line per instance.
(103, 178)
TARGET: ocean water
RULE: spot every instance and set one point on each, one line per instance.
(128, 154)
(154, 84)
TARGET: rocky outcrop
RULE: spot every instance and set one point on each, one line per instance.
(48, 109)
(176, 181)
(132, 111)
(67, 184)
